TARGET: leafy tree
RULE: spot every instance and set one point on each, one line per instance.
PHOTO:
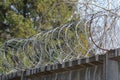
(24, 18)
(13, 24)
(27, 17)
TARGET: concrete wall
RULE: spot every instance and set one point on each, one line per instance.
(98, 67)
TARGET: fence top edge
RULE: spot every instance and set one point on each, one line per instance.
(59, 67)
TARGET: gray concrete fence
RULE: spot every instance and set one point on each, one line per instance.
(98, 67)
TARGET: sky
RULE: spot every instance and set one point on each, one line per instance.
(111, 38)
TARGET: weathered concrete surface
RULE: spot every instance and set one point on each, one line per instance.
(98, 67)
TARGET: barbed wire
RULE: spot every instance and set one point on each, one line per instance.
(95, 32)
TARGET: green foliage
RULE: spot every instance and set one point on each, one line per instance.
(23, 27)
(12, 23)
(25, 18)
(54, 12)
